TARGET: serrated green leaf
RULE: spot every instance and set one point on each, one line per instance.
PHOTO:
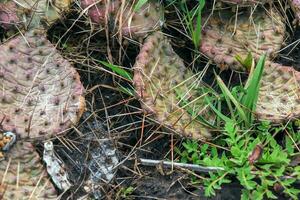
(258, 194)
(288, 181)
(270, 195)
(245, 177)
(245, 195)
(209, 191)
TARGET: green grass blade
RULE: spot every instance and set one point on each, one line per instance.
(218, 113)
(118, 70)
(228, 94)
(197, 31)
(126, 90)
(252, 90)
(247, 62)
(185, 103)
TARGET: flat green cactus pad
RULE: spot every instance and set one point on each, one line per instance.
(168, 90)
(123, 18)
(226, 35)
(32, 13)
(22, 175)
(41, 93)
(279, 99)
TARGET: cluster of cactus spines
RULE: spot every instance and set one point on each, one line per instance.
(22, 175)
(32, 13)
(41, 92)
(121, 16)
(224, 36)
(166, 88)
(279, 99)
(295, 5)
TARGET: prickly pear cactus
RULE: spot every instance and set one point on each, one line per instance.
(8, 16)
(224, 36)
(22, 175)
(41, 93)
(121, 16)
(279, 99)
(32, 13)
(295, 5)
(167, 89)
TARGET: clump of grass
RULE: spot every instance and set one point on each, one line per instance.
(191, 18)
(241, 105)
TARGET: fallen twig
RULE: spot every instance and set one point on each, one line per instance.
(196, 168)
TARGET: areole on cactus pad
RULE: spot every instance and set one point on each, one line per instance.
(226, 35)
(168, 90)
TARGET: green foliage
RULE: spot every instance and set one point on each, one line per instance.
(124, 193)
(247, 62)
(118, 70)
(241, 101)
(192, 19)
(259, 178)
(253, 156)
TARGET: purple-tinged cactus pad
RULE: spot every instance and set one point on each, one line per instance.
(8, 15)
(133, 24)
(223, 37)
(279, 99)
(32, 13)
(167, 89)
(41, 93)
(22, 175)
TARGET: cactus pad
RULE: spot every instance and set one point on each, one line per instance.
(223, 37)
(41, 93)
(279, 99)
(163, 84)
(32, 13)
(295, 5)
(22, 175)
(132, 23)
(8, 16)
